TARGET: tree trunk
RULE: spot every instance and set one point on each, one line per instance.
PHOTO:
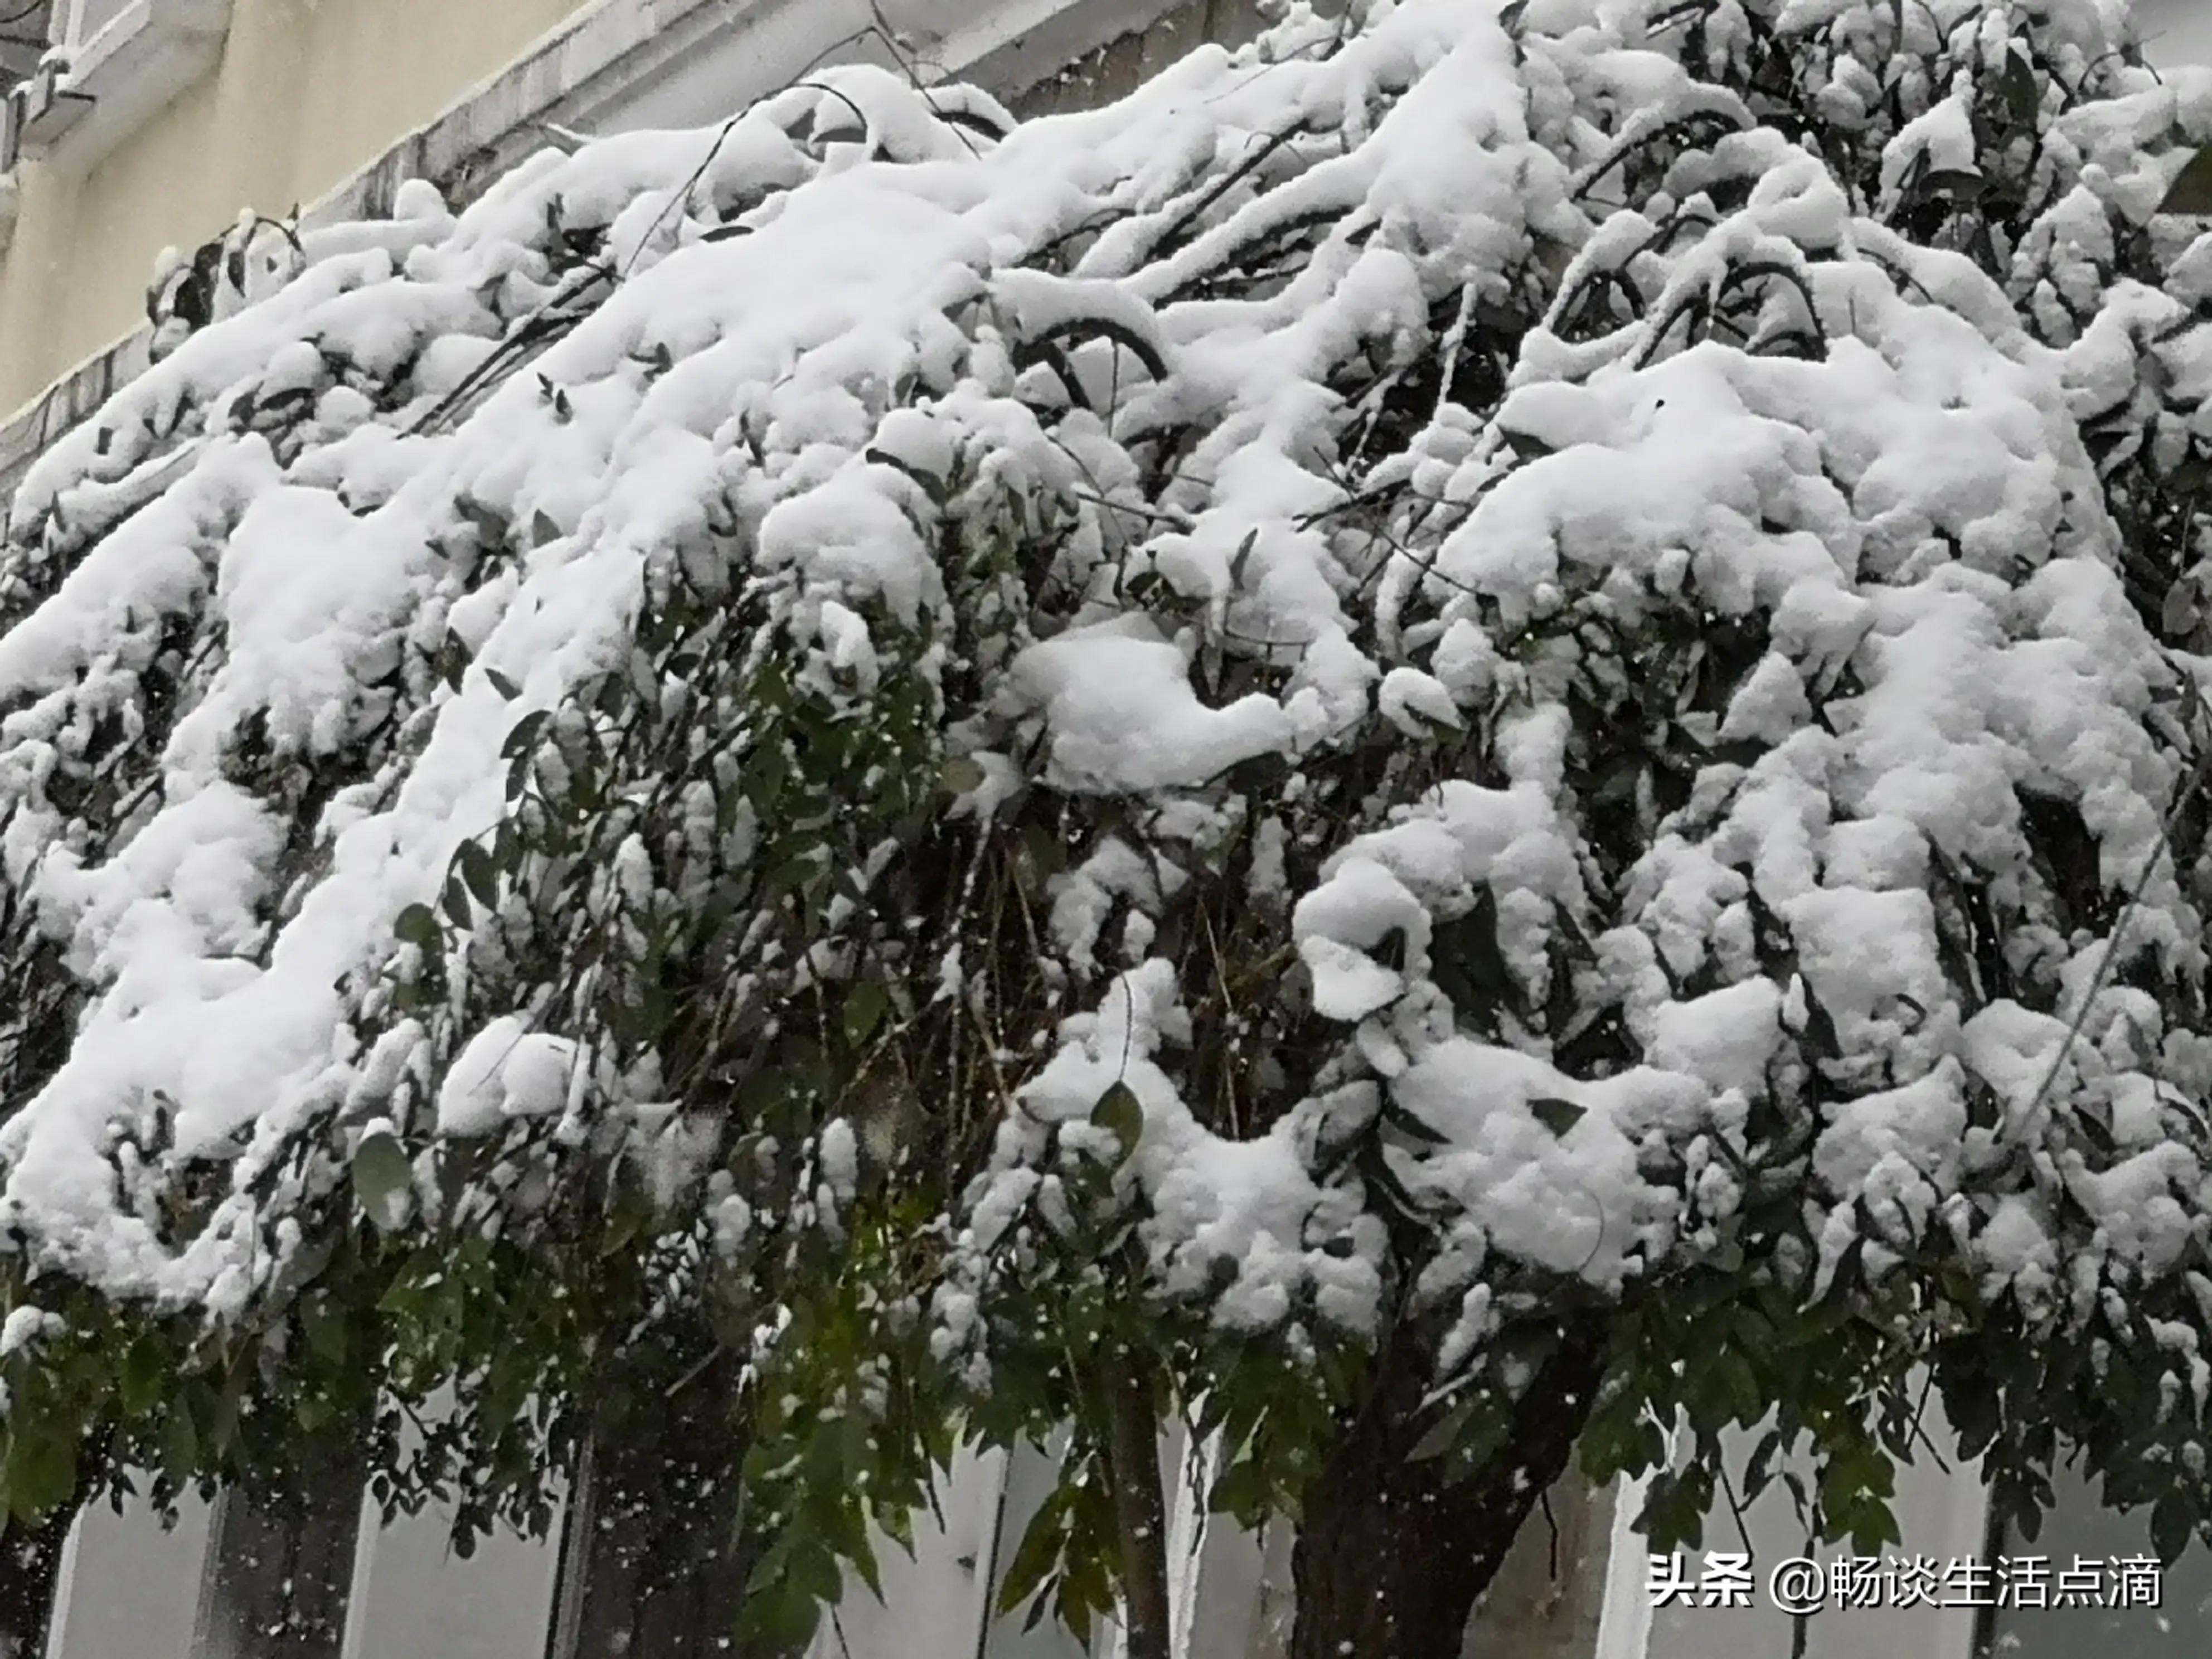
(1139, 1512)
(1389, 1560)
(30, 1569)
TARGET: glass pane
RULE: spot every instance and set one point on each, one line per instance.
(277, 1582)
(129, 1578)
(933, 1601)
(647, 1571)
(2080, 1536)
(1031, 1475)
(416, 1598)
(23, 39)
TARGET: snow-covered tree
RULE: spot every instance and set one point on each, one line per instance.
(1465, 740)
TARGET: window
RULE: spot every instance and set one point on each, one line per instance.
(42, 107)
(1719, 1602)
(279, 1575)
(651, 1562)
(2094, 1560)
(88, 18)
(23, 38)
(23, 28)
(131, 1578)
(645, 1572)
(416, 1597)
(1024, 1479)
(115, 63)
(15, 106)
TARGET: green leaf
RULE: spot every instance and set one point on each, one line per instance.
(1041, 852)
(500, 683)
(41, 1469)
(1467, 962)
(779, 1615)
(325, 1332)
(862, 1559)
(864, 1011)
(896, 1520)
(477, 873)
(813, 1573)
(1040, 1551)
(452, 660)
(456, 901)
(180, 1445)
(1442, 1436)
(382, 1180)
(2022, 96)
(2171, 1523)
(490, 524)
(961, 774)
(1556, 1115)
(2191, 193)
(139, 1378)
(2178, 615)
(1957, 183)
(1245, 1492)
(417, 925)
(1121, 1114)
(628, 1213)
(1411, 1127)
(525, 734)
(1242, 559)
(1760, 1471)
(937, 489)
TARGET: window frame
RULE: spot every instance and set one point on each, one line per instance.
(106, 84)
(267, 1562)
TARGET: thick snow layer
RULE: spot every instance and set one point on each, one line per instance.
(277, 624)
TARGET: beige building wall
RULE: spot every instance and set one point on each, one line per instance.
(308, 92)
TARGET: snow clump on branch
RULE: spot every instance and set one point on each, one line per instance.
(1424, 624)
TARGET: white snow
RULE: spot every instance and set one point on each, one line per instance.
(803, 386)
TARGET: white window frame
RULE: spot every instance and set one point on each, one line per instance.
(11, 193)
(23, 41)
(107, 82)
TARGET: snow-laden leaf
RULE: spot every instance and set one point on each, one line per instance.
(1121, 1114)
(1439, 568)
(2191, 193)
(1555, 1113)
(384, 1180)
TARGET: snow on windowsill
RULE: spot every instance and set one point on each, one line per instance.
(137, 63)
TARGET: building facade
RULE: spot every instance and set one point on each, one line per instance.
(137, 124)
(152, 122)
